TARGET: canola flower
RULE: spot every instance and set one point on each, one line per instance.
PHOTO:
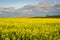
(29, 29)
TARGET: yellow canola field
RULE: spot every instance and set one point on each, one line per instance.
(29, 28)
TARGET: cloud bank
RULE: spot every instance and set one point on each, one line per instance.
(40, 9)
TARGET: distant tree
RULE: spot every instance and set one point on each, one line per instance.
(47, 15)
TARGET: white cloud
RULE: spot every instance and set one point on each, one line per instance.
(56, 6)
(44, 6)
(31, 9)
(25, 11)
(1, 13)
(11, 9)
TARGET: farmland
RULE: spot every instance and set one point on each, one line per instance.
(29, 28)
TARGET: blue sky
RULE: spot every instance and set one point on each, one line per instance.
(21, 3)
(8, 7)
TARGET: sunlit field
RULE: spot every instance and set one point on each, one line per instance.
(29, 28)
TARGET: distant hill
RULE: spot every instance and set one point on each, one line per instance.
(53, 16)
(47, 16)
